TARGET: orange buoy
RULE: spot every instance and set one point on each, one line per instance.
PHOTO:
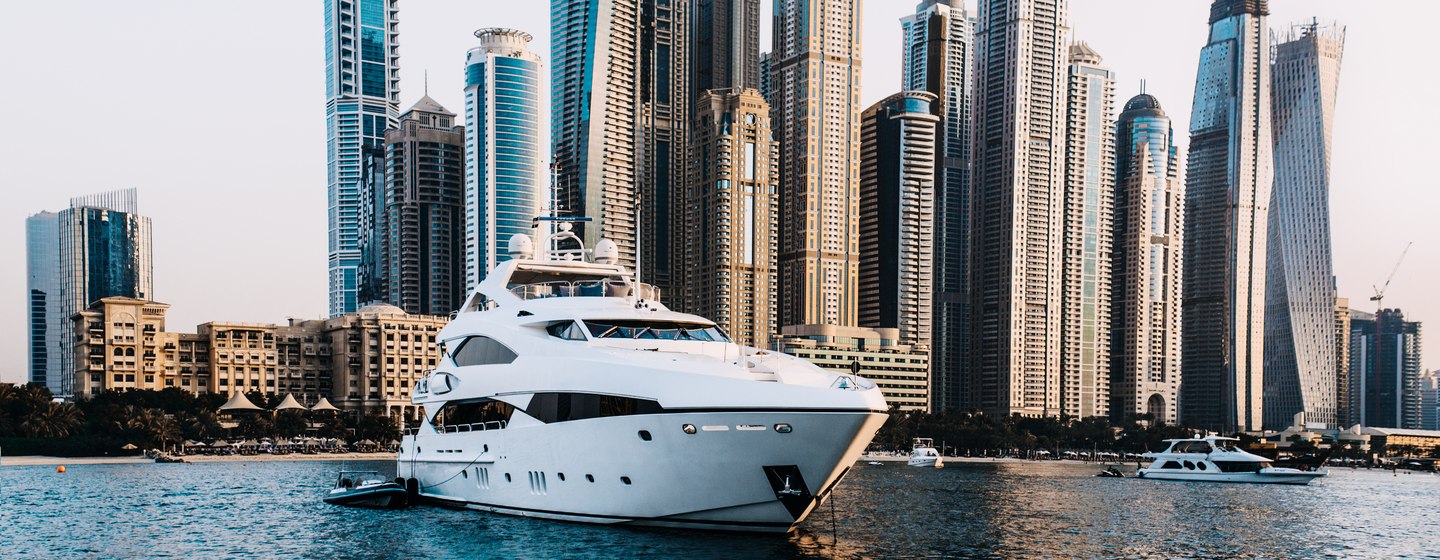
(60, 469)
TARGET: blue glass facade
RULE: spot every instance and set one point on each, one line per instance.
(362, 91)
(503, 176)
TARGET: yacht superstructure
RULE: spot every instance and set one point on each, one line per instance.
(567, 391)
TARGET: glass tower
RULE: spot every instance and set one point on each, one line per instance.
(362, 96)
(1300, 359)
(1227, 193)
(1088, 236)
(42, 297)
(504, 173)
(1385, 370)
(1145, 276)
(105, 251)
(937, 58)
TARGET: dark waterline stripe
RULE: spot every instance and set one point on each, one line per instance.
(463, 505)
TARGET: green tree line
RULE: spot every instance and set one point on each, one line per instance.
(32, 423)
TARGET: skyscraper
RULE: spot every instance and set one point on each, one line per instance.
(1385, 369)
(765, 88)
(1300, 279)
(105, 251)
(937, 58)
(423, 242)
(1145, 275)
(898, 138)
(620, 91)
(42, 296)
(726, 269)
(504, 172)
(727, 45)
(1088, 236)
(815, 85)
(1227, 192)
(362, 96)
(1343, 414)
(1017, 207)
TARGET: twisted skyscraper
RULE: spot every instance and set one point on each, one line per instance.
(1300, 284)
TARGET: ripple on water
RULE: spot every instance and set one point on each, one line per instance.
(981, 510)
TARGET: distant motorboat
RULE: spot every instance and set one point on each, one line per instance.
(1217, 459)
(1111, 472)
(923, 454)
(366, 489)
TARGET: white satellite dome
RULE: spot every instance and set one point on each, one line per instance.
(606, 252)
(521, 247)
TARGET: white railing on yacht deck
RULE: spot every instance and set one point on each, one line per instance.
(584, 288)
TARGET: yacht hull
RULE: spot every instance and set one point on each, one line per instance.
(736, 472)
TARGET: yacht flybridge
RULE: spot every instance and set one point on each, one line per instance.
(567, 391)
(1217, 459)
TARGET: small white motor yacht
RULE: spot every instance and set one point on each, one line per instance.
(1217, 459)
(923, 454)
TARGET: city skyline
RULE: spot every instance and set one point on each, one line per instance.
(193, 210)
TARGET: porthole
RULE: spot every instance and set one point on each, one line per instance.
(625, 479)
(1201, 466)
(590, 478)
(561, 475)
(507, 477)
(688, 428)
(1189, 466)
(783, 428)
(645, 435)
(485, 448)
(464, 474)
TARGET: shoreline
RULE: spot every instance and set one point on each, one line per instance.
(48, 461)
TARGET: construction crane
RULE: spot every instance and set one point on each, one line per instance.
(1379, 297)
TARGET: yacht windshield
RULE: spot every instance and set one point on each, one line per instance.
(655, 330)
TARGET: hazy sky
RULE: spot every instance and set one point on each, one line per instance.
(215, 111)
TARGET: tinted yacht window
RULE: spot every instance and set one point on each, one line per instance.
(567, 330)
(480, 350)
(655, 330)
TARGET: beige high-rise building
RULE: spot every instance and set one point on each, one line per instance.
(1017, 207)
(1145, 276)
(1342, 363)
(1088, 236)
(726, 258)
(816, 89)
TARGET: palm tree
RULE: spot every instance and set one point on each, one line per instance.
(52, 420)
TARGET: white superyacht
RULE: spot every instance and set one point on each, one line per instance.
(566, 391)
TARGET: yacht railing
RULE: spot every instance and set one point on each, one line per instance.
(476, 427)
(584, 288)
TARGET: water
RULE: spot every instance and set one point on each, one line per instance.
(1002, 510)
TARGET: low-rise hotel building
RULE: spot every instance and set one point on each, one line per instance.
(366, 361)
(901, 372)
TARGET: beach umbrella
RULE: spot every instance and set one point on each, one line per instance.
(129, 447)
(289, 403)
(324, 405)
(238, 402)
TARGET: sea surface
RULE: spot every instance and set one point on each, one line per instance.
(985, 510)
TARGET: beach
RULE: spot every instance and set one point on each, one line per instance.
(42, 460)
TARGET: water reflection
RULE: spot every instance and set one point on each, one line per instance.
(994, 510)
